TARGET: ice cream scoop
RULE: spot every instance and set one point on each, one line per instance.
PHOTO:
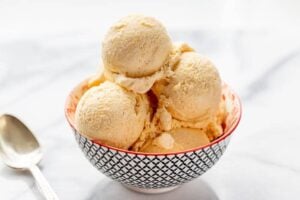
(193, 92)
(190, 138)
(134, 52)
(144, 84)
(111, 115)
(164, 143)
(136, 46)
(212, 126)
(177, 140)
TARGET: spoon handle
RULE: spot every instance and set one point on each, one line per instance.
(43, 184)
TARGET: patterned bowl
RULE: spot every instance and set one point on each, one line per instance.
(154, 173)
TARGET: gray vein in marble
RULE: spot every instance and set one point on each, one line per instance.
(48, 81)
(29, 189)
(18, 175)
(53, 123)
(261, 83)
(202, 40)
(238, 48)
(266, 162)
(32, 52)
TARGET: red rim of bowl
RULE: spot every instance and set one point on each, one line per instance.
(225, 135)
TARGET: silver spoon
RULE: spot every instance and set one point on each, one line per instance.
(20, 150)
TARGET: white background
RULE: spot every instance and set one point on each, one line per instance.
(47, 47)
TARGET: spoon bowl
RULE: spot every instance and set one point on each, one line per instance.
(20, 150)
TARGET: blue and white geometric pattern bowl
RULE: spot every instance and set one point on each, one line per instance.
(154, 173)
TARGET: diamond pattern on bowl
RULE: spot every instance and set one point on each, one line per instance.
(151, 171)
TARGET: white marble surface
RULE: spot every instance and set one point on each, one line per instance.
(47, 48)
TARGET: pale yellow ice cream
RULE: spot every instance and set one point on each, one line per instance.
(164, 143)
(144, 84)
(188, 98)
(140, 85)
(153, 95)
(190, 138)
(192, 94)
(96, 80)
(112, 115)
(214, 129)
(164, 121)
(136, 47)
(177, 140)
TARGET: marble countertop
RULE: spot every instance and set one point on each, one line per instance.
(39, 68)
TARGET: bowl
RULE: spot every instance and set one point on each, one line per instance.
(160, 172)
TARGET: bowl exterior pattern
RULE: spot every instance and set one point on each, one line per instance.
(153, 172)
